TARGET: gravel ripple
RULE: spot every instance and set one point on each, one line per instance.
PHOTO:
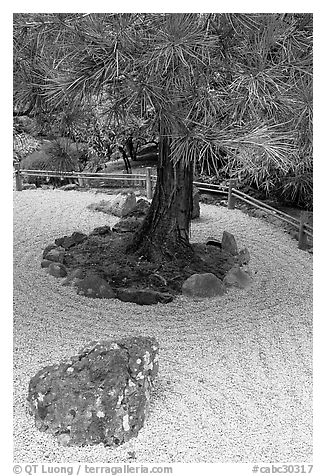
(235, 380)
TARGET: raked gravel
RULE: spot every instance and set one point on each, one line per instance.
(235, 379)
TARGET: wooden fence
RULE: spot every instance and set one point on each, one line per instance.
(148, 181)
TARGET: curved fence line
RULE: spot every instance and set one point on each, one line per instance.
(149, 178)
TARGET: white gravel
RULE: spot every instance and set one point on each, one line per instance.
(235, 380)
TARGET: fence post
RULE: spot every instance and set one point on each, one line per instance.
(19, 180)
(149, 192)
(231, 198)
(302, 245)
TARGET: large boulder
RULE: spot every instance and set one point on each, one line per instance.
(238, 277)
(100, 395)
(203, 285)
(195, 213)
(229, 245)
(95, 287)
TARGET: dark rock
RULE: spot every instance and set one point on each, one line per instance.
(238, 277)
(55, 254)
(143, 296)
(68, 241)
(58, 270)
(157, 280)
(229, 244)
(140, 210)
(127, 225)
(195, 213)
(69, 186)
(213, 242)
(101, 230)
(45, 263)
(48, 248)
(95, 287)
(203, 285)
(100, 395)
(74, 277)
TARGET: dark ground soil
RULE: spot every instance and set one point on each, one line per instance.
(106, 255)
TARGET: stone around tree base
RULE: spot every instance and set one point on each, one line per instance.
(143, 296)
(229, 245)
(95, 287)
(238, 277)
(57, 270)
(69, 241)
(69, 186)
(100, 395)
(127, 225)
(203, 285)
(45, 263)
(56, 254)
(243, 257)
(74, 277)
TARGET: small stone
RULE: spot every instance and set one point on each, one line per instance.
(237, 277)
(57, 270)
(45, 263)
(69, 186)
(73, 277)
(95, 287)
(101, 230)
(243, 257)
(127, 225)
(56, 254)
(50, 247)
(229, 245)
(143, 296)
(140, 210)
(64, 439)
(213, 242)
(203, 285)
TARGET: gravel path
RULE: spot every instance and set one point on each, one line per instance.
(235, 380)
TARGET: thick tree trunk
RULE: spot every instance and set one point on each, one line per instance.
(165, 231)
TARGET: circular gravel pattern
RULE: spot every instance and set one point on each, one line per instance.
(235, 379)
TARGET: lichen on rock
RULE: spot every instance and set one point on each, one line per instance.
(97, 396)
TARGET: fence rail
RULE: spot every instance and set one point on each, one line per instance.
(148, 181)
